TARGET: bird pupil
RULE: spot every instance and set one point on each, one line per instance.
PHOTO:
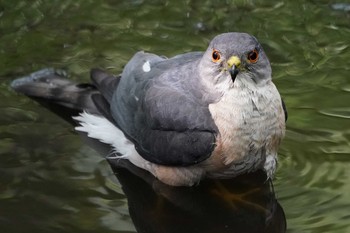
(253, 55)
(216, 56)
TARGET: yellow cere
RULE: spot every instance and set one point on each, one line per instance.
(234, 60)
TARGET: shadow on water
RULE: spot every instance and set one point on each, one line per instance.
(243, 204)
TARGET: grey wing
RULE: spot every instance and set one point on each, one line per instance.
(167, 125)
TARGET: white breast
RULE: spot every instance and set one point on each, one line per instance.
(251, 126)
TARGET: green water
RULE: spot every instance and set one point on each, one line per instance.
(50, 181)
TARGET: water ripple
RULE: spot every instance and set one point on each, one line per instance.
(337, 112)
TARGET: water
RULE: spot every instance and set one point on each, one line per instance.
(51, 181)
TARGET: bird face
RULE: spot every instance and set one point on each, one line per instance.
(236, 59)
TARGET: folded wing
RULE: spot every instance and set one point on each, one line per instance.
(162, 112)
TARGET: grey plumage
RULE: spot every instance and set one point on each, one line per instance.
(161, 111)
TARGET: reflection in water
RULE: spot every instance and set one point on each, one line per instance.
(243, 204)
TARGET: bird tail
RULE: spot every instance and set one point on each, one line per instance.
(51, 86)
(84, 105)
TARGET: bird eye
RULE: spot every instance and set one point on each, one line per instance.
(253, 56)
(216, 55)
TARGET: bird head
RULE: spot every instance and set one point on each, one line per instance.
(235, 60)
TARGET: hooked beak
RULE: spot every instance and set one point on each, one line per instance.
(234, 64)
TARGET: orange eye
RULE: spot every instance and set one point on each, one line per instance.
(253, 56)
(215, 55)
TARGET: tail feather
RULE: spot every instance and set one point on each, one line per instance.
(53, 86)
(105, 83)
(88, 103)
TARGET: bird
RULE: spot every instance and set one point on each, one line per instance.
(214, 114)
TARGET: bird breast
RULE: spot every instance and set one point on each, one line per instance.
(251, 125)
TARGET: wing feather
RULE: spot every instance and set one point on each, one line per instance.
(162, 112)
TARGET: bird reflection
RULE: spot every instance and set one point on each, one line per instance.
(243, 204)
